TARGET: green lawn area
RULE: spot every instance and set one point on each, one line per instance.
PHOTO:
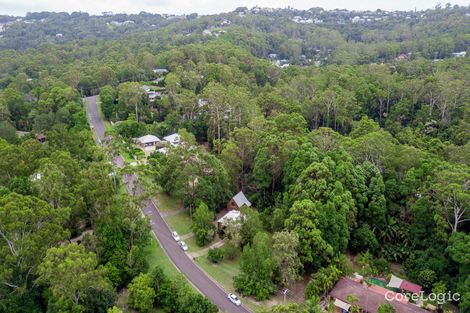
(157, 257)
(181, 223)
(167, 203)
(223, 272)
(192, 245)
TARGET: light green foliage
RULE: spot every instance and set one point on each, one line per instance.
(114, 309)
(251, 224)
(232, 238)
(141, 293)
(285, 255)
(70, 272)
(28, 227)
(386, 308)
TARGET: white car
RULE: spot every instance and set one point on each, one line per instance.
(183, 246)
(175, 236)
(234, 299)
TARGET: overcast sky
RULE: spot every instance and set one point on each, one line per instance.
(20, 7)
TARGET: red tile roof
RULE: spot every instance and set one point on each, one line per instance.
(406, 285)
(369, 300)
(391, 294)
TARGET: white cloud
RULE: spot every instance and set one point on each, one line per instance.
(20, 7)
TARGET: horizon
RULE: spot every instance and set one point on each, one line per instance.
(207, 7)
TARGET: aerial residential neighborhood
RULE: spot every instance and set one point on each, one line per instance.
(234, 156)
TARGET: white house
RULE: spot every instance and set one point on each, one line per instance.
(230, 216)
(459, 54)
(160, 71)
(147, 141)
(173, 139)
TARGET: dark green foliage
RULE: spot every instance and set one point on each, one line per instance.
(130, 128)
(107, 98)
(203, 226)
(215, 255)
(364, 240)
(322, 281)
(256, 269)
(382, 266)
(367, 152)
(177, 296)
(7, 131)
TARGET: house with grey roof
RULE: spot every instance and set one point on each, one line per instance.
(238, 201)
(147, 141)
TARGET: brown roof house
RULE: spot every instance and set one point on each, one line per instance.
(238, 201)
(369, 299)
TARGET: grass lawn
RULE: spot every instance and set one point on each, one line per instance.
(223, 272)
(156, 256)
(181, 223)
(167, 203)
(192, 245)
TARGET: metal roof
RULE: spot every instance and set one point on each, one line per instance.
(241, 200)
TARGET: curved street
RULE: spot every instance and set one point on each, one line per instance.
(198, 278)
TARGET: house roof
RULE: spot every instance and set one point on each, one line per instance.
(231, 215)
(395, 282)
(369, 300)
(147, 139)
(174, 139)
(341, 304)
(408, 286)
(241, 200)
(391, 294)
(160, 71)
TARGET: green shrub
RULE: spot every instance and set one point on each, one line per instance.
(215, 255)
(382, 266)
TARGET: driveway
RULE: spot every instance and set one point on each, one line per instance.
(198, 278)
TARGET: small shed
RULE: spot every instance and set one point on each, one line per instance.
(238, 201)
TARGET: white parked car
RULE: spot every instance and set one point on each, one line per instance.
(183, 246)
(175, 236)
(234, 299)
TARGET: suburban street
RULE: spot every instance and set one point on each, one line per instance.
(198, 278)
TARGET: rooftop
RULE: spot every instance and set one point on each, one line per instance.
(174, 139)
(231, 215)
(240, 199)
(148, 139)
(369, 300)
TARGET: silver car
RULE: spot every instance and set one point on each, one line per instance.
(183, 246)
(175, 236)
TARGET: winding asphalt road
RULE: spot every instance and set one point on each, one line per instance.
(198, 278)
